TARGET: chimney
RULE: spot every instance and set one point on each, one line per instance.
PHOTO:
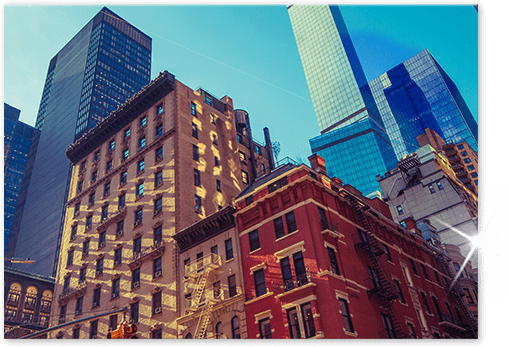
(318, 163)
(411, 226)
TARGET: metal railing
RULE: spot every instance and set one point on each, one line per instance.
(198, 265)
(69, 292)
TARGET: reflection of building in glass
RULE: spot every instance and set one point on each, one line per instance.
(105, 63)
(162, 162)
(400, 104)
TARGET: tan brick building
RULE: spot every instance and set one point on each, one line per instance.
(164, 160)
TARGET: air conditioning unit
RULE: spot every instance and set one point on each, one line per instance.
(157, 274)
(101, 244)
(136, 284)
(115, 263)
(94, 337)
(114, 295)
(157, 310)
(119, 234)
(87, 227)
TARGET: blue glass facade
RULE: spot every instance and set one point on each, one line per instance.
(104, 64)
(17, 139)
(418, 94)
(356, 154)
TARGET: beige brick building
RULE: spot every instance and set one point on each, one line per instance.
(164, 160)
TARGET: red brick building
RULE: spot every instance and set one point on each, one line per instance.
(321, 261)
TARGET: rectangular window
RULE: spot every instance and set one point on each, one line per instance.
(198, 204)
(439, 186)
(102, 239)
(158, 234)
(97, 297)
(278, 227)
(217, 289)
(143, 121)
(79, 306)
(156, 303)
(196, 155)
(292, 318)
(346, 315)
(229, 250)
(138, 217)
(159, 131)
(242, 156)
(120, 228)
(106, 190)
(92, 198)
(137, 245)
(244, 176)
(254, 240)
(208, 100)
(469, 298)
(332, 261)
(213, 119)
(388, 254)
(80, 187)
(122, 201)
(265, 329)
(232, 288)
(74, 230)
(399, 291)
(218, 185)
(159, 109)
(113, 322)
(97, 155)
(86, 247)
(127, 134)
(425, 302)
(214, 249)
(413, 266)
(388, 326)
(104, 212)
(111, 145)
(194, 130)
(117, 256)
(125, 154)
(76, 209)
(260, 282)
(158, 178)
(400, 210)
(88, 222)
(437, 277)
(139, 190)
(135, 278)
(156, 268)
(309, 325)
(467, 160)
(70, 256)
(288, 282)
(432, 190)
(115, 287)
(140, 167)
(159, 154)
(299, 267)
(193, 109)
(83, 275)
(141, 143)
(424, 271)
(257, 150)
(109, 166)
(471, 167)
(123, 178)
(412, 333)
(460, 146)
(134, 312)
(291, 222)
(216, 161)
(196, 177)
(93, 329)
(99, 266)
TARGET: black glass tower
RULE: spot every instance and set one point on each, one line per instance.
(103, 65)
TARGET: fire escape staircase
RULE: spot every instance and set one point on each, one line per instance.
(456, 290)
(382, 286)
(203, 321)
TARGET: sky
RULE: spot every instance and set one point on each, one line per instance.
(246, 52)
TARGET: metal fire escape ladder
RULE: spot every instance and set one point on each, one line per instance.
(199, 290)
(203, 321)
(456, 290)
(371, 247)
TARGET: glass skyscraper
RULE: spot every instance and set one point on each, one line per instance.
(104, 64)
(394, 108)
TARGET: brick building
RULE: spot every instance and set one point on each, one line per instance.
(322, 261)
(162, 161)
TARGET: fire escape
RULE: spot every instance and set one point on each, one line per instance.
(199, 271)
(409, 166)
(382, 288)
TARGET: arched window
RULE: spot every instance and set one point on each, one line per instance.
(219, 330)
(189, 336)
(30, 298)
(13, 300)
(236, 330)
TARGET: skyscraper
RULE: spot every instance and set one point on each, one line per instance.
(17, 138)
(105, 63)
(353, 139)
(395, 107)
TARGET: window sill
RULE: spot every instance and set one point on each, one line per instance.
(263, 296)
(159, 185)
(348, 333)
(135, 226)
(255, 250)
(285, 236)
(84, 256)
(122, 184)
(135, 288)
(105, 196)
(140, 173)
(228, 261)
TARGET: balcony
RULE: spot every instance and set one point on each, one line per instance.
(292, 284)
(114, 218)
(72, 292)
(451, 322)
(195, 269)
(153, 251)
(329, 228)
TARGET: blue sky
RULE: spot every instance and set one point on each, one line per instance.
(246, 52)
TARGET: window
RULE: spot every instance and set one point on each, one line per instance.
(83, 166)
(332, 261)
(198, 204)
(88, 222)
(196, 177)
(257, 150)
(139, 190)
(97, 155)
(93, 329)
(159, 154)
(208, 100)
(469, 298)
(232, 288)
(476, 182)
(263, 168)
(113, 322)
(79, 306)
(399, 292)
(140, 167)
(242, 156)
(104, 212)
(86, 245)
(80, 187)
(213, 119)
(138, 217)
(67, 282)
(102, 239)
(97, 297)
(309, 325)
(62, 317)
(143, 121)
(106, 190)
(115, 287)
(299, 267)
(474, 175)
(471, 167)
(244, 176)
(159, 109)
(424, 271)
(437, 277)
(123, 178)
(291, 222)
(193, 109)
(158, 206)
(249, 200)
(218, 185)
(117, 256)
(388, 254)
(288, 282)
(467, 160)
(214, 249)
(83, 274)
(254, 240)
(141, 143)
(156, 267)
(460, 146)
(99, 266)
(194, 130)
(432, 190)
(158, 178)
(137, 245)
(425, 302)
(412, 333)
(120, 228)
(74, 230)
(127, 134)
(265, 329)
(277, 185)
(159, 131)
(157, 334)
(76, 209)
(216, 161)
(92, 198)
(439, 186)
(236, 328)
(346, 315)
(122, 200)
(413, 266)
(109, 166)
(260, 282)
(135, 278)
(196, 155)
(278, 227)
(125, 154)
(217, 289)
(134, 312)
(70, 256)
(388, 326)
(229, 250)
(156, 303)
(374, 277)
(158, 234)
(111, 145)
(293, 321)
